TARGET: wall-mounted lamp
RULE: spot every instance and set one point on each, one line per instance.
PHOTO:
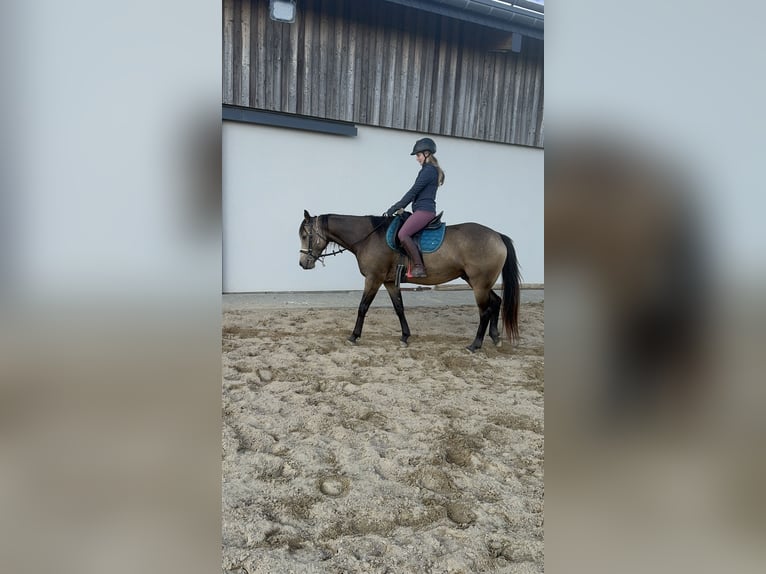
(282, 10)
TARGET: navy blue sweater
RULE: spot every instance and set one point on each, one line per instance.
(422, 194)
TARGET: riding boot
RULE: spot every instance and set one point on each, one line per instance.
(418, 269)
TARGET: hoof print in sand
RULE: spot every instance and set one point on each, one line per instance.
(461, 514)
(333, 486)
(458, 455)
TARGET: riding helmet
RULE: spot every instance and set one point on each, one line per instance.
(424, 144)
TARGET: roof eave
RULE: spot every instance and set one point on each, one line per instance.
(506, 18)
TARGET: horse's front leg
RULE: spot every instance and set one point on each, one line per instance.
(370, 290)
(396, 298)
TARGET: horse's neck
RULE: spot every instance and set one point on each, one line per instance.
(348, 230)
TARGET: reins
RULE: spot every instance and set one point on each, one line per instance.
(315, 229)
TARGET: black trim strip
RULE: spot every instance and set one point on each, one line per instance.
(282, 120)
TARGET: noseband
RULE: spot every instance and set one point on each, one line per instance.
(311, 232)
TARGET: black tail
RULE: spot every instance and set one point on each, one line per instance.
(511, 291)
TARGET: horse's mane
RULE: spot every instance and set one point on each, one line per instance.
(378, 223)
(377, 219)
(374, 219)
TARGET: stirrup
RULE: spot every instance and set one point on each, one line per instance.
(417, 271)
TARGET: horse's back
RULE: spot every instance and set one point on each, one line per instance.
(471, 227)
(476, 248)
(471, 234)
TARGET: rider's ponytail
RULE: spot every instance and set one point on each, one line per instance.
(433, 161)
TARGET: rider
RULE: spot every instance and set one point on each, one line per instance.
(422, 195)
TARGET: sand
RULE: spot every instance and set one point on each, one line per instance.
(374, 458)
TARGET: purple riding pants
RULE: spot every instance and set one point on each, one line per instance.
(415, 222)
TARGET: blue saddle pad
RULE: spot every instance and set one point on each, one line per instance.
(428, 240)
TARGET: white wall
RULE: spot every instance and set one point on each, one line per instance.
(270, 175)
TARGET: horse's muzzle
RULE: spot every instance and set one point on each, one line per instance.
(306, 262)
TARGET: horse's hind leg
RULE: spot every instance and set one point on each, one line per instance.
(484, 302)
(370, 290)
(494, 303)
(396, 298)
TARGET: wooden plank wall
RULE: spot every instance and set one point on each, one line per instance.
(379, 63)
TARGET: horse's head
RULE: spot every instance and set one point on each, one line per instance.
(313, 241)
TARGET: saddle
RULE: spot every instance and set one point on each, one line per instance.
(428, 239)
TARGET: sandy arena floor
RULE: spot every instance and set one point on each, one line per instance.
(373, 458)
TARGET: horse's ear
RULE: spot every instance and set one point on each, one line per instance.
(306, 215)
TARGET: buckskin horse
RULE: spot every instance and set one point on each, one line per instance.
(470, 251)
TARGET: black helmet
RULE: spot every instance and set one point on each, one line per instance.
(424, 144)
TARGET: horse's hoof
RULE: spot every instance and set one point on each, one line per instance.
(470, 349)
(404, 344)
(351, 341)
(498, 343)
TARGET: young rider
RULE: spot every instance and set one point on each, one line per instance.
(422, 195)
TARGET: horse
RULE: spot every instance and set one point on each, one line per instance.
(470, 251)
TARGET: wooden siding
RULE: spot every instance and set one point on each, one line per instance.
(379, 63)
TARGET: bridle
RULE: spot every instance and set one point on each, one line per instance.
(311, 232)
(314, 230)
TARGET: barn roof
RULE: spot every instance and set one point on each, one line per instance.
(525, 17)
